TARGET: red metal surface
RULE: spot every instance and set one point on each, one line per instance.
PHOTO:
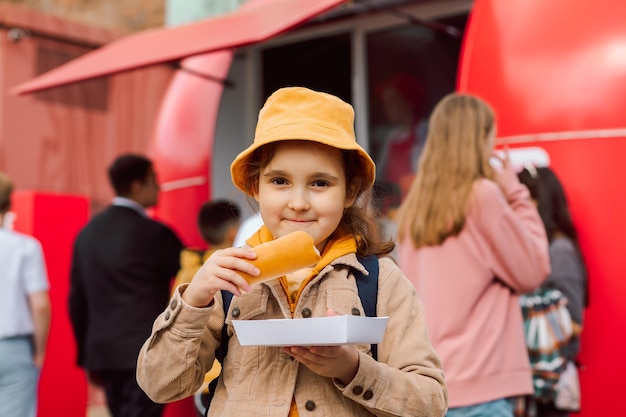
(245, 26)
(548, 66)
(183, 143)
(555, 73)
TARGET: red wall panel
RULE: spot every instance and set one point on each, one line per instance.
(555, 73)
(55, 220)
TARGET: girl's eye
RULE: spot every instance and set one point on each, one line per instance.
(320, 183)
(279, 181)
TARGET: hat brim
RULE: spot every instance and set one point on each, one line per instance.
(317, 134)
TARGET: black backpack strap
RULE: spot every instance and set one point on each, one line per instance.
(367, 286)
(221, 352)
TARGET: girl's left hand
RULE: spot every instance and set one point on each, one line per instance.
(341, 362)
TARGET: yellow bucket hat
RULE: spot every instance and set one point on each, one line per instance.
(297, 113)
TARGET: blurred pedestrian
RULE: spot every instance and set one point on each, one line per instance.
(122, 267)
(470, 239)
(403, 99)
(569, 274)
(25, 313)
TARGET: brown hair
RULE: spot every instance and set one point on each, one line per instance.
(215, 218)
(359, 220)
(455, 156)
(125, 170)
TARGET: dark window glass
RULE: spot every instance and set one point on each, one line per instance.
(410, 68)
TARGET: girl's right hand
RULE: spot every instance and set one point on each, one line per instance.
(220, 272)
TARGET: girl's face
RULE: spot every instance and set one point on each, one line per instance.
(303, 188)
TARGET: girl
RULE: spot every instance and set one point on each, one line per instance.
(569, 274)
(307, 172)
(469, 240)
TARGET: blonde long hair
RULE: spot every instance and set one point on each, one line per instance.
(455, 156)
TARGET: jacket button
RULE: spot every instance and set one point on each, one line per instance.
(167, 315)
(368, 395)
(173, 304)
(236, 312)
(356, 311)
(357, 390)
(310, 405)
(306, 313)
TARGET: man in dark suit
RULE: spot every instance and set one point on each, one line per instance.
(122, 267)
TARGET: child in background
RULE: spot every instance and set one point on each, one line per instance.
(307, 172)
(218, 223)
(470, 239)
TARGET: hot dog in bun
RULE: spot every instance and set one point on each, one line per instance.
(281, 256)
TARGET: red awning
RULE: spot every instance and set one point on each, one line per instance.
(254, 22)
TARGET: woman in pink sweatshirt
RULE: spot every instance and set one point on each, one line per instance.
(470, 240)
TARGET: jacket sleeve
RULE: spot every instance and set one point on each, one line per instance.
(407, 379)
(77, 305)
(518, 246)
(170, 247)
(181, 349)
(36, 285)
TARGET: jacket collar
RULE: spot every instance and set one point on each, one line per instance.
(131, 204)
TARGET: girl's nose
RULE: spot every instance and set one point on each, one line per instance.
(298, 201)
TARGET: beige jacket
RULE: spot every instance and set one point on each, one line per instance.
(407, 379)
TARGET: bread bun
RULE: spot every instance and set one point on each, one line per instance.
(284, 255)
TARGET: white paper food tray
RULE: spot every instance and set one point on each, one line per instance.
(319, 331)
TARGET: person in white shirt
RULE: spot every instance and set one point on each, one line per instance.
(249, 226)
(25, 312)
